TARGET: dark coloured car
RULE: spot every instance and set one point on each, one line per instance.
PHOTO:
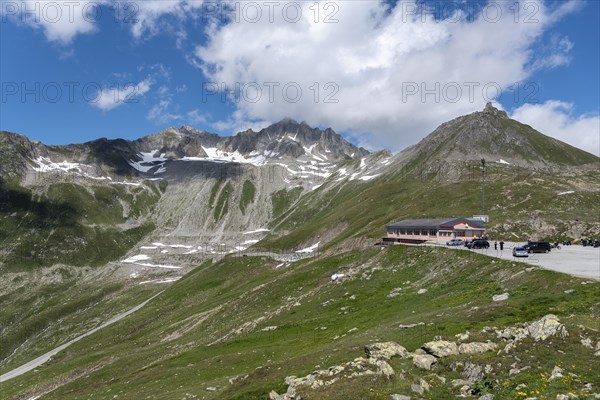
(478, 244)
(538, 247)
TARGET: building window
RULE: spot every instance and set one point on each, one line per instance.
(403, 231)
(432, 232)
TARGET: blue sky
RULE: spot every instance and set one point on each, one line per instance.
(369, 62)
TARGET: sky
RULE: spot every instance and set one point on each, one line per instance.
(382, 73)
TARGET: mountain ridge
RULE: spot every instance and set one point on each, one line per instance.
(492, 135)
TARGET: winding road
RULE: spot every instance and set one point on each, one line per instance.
(45, 357)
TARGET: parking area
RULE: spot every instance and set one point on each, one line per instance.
(575, 260)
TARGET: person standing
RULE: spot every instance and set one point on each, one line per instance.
(501, 245)
(495, 245)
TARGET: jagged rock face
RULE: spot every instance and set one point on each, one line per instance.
(285, 139)
(14, 151)
(289, 138)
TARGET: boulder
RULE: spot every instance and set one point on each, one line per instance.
(465, 391)
(385, 350)
(476, 347)
(473, 372)
(441, 348)
(512, 333)
(557, 372)
(399, 397)
(425, 361)
(548, 326)
(421, 388)
(458, 382)
(416, 388)
(383, 368)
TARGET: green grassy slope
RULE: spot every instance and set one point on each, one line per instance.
(209, 327)
(71, 224)
(514, 197)
(38, 316)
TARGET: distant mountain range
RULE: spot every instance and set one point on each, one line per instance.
(289, 179)
(90, 230)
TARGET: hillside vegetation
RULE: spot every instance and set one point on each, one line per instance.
(242, 326)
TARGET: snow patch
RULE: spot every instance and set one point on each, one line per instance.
(256, 231)
(368, 177)
(309, 249)
(501, 161)
(568, 192)
(215, 155)
(335, 277)
(135, 259)
(148, 162)
(166, 280)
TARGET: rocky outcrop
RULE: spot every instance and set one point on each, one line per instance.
(360, 366)
(548, 326)
(427, 356)
(539, 330)
(424, 361)
(441, 348)
(385, 350)
(476, 347)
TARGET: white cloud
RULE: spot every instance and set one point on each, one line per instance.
(148, 15)
(370, 60)
(61, 21)
(196, 117)
(110, 98)
(159, 113)
(555, 118)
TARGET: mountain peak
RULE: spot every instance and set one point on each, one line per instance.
(492, 135)
(491, 110)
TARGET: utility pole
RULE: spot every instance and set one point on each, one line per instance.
(482, 186)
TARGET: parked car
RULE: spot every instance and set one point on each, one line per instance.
(520, 252)
(591, 242)
(538, 247)
(455, 242)
(478, 244)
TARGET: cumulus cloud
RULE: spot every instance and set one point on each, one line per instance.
(160, 112)
(385, 74)
(61, 21)
(110, 98)
(149, 15)
(555, 118)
